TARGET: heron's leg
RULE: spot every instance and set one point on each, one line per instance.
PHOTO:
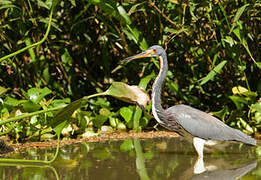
(199, 166)
(199, 145)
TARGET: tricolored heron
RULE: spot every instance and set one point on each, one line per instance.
(187, 121)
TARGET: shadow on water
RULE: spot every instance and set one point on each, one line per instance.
(146, 159)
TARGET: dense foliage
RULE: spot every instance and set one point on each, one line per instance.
(213, 50)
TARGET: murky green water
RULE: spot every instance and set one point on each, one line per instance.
(131, 159)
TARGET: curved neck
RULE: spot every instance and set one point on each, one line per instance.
(157, 109)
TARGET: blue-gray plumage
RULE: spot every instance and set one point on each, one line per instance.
(186, 120)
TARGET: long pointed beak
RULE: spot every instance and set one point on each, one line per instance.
(144, 54)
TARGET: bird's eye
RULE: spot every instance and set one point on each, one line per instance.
(154, 50)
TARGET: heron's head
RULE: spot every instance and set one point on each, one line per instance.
(153, 51)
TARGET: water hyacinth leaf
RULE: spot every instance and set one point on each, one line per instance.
(126, 113)
(145, 81)
(12, 101)
(212, 73)
(30, 106)
(61, 118)
(130, 94)
(99, 120)
(37, 94)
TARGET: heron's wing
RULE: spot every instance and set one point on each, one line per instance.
(205, 126)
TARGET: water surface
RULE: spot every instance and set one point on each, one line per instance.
(131, 159)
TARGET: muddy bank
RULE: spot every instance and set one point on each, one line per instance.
(102, 137)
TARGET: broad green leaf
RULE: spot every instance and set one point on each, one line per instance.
(66, 57)
(145, 81)
(213, 72)
(37, 94)
(99, 120)
(62, 117)
(30, 106)
(126, 113)
(130, 94)
(12, 101)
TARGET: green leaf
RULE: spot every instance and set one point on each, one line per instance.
(113, 121)
(73, 2)
(30, 106)
(256, 106)
(62, 117)
(213, 72)
(3, 90)
(46, 5)
(121, 126)
(12, 101)
(244, 43)
(258, 65)
(99, 120)
(239, 101)
(130, 94)
(238, 15)
(31, 50)
(145, 81)
(127, 145)
(37, 94)
(105, 112)
(222, 113)
(124, 15)
(126, 113)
